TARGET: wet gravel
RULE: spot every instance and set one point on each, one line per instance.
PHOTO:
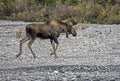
(94, 55)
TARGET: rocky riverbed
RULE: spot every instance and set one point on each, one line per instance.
(94, 55)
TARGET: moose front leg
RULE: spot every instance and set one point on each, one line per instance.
(29, 46)
(67, 34)
(54, 46)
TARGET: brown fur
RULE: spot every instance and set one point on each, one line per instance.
(50, 30)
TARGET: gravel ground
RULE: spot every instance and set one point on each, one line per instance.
(94, 55)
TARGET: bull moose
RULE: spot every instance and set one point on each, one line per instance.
(49, 30)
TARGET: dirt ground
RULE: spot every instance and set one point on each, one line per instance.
(94, 55)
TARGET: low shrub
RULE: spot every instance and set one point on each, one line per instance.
(84, 11)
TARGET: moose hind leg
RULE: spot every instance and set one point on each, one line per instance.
(29, 46)
(21, 42)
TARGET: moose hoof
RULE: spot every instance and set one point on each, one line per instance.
(34, 57)
(53, 53)
(56, 56)
(67, 37)
(18, 55)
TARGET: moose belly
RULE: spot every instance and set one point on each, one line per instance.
(43, 36)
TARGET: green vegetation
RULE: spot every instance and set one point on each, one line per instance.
(84, 11)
